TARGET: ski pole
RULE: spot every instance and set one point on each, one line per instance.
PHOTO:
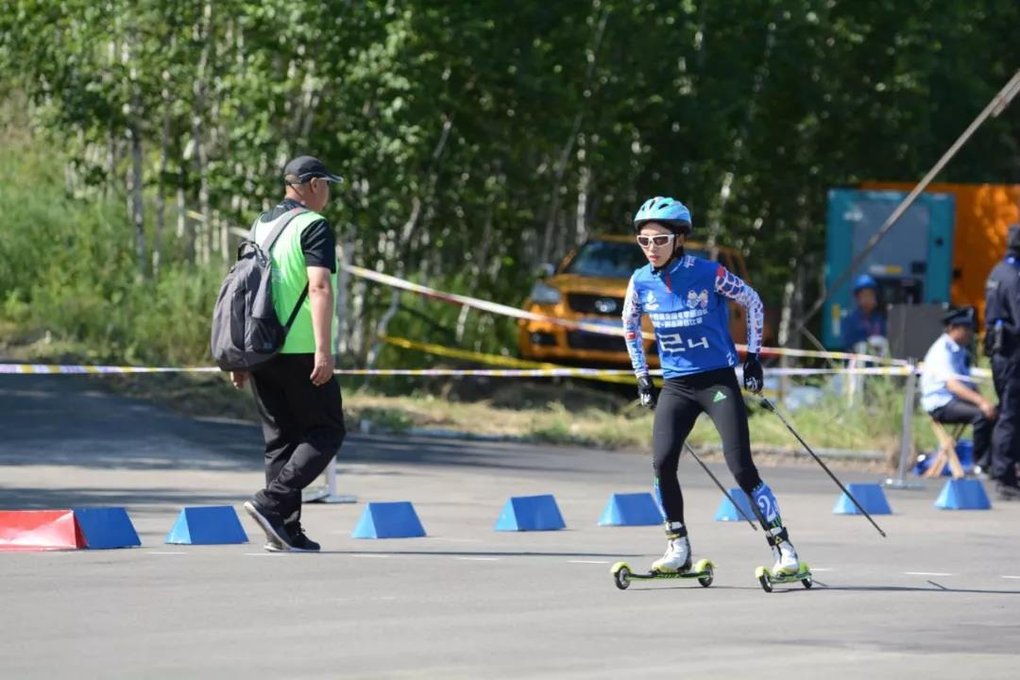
(769, 406)
(721, 487)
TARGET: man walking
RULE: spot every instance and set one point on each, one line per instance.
(297, 395)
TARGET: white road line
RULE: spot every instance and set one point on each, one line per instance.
(926, 573)
(369, 555)
(459, 540)
(814, 569)
(478, 559)
(263, 554)
(588, 561)
(161, 552)
(1016, 577)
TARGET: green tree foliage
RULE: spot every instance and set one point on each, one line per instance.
(479, 139)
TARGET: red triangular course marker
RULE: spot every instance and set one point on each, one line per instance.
(39, 530)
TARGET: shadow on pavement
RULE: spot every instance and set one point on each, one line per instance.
(936, 588)
(470, 553)
(29, 498)
(68, 420)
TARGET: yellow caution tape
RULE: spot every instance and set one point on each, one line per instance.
(607, 375)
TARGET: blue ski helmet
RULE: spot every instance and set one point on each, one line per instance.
(865, 281)
(668, 212)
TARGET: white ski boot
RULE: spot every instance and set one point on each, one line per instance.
(787, 563)
(678, 554)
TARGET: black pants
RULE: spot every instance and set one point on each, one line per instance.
(958, 411)
(1005, 443)
(680, 403)
(303, 426)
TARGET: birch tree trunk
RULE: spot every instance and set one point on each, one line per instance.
(591, 56)
(344, 257)
(164, 158)
(183, 232)
(135, 174)
(137, 203)
(204, 236)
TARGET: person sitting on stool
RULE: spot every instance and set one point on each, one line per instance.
(947, 393)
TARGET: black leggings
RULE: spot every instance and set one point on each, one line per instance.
(680, 403)
(303, 427)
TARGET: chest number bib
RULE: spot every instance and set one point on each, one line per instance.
(673, 343)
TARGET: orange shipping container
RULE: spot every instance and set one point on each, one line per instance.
(983, 215)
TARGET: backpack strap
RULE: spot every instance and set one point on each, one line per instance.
(279, 224)
(297, 307)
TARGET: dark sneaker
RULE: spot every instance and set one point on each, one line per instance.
(270, 523)
(299, 542)
(1008, 492)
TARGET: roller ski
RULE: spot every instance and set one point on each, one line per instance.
(767, 578)
(676, 563)
(703, 570)
(787, 568)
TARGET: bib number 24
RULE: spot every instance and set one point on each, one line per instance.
(674, 343)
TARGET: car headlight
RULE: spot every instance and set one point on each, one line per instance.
(544, 294)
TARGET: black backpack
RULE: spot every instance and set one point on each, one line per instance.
(246, 331)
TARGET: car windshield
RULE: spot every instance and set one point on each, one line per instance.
(611, 259)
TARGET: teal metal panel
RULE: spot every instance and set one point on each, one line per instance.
(915, 258)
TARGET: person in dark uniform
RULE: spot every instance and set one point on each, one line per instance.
(296, 392)
(1002, 344)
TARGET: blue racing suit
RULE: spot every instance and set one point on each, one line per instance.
(687, 302)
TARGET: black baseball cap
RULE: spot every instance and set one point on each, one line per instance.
(308, 167)
(965, 316)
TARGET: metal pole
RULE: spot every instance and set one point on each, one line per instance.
(769, 406)
(994, 108)
(327, 494)
(906, 434)
(722, 488)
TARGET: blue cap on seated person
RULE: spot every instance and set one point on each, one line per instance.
(865, 281)
(964, 316)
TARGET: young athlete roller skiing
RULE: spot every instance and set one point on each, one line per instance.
(686, 299)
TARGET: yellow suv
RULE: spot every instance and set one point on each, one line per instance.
(589, 285)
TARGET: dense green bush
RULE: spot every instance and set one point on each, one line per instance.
(69, 271)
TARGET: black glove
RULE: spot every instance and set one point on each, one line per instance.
(754, 378)
(646, 392)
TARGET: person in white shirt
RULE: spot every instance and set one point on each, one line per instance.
(947, 392)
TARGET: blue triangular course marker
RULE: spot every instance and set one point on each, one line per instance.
(963, 494)
(870, 496)
(530, 513)
(630, 510)
(106, 528)
(207, 525)
(389, 520)
(727, 512)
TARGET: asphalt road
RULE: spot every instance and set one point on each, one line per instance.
(939, 597)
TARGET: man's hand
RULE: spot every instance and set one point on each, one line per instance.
(323, 369)
(988, 409)
(754, 377)
(239, 378)
(646, 392)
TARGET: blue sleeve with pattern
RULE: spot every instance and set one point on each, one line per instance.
(733, 287)
(632, 312)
